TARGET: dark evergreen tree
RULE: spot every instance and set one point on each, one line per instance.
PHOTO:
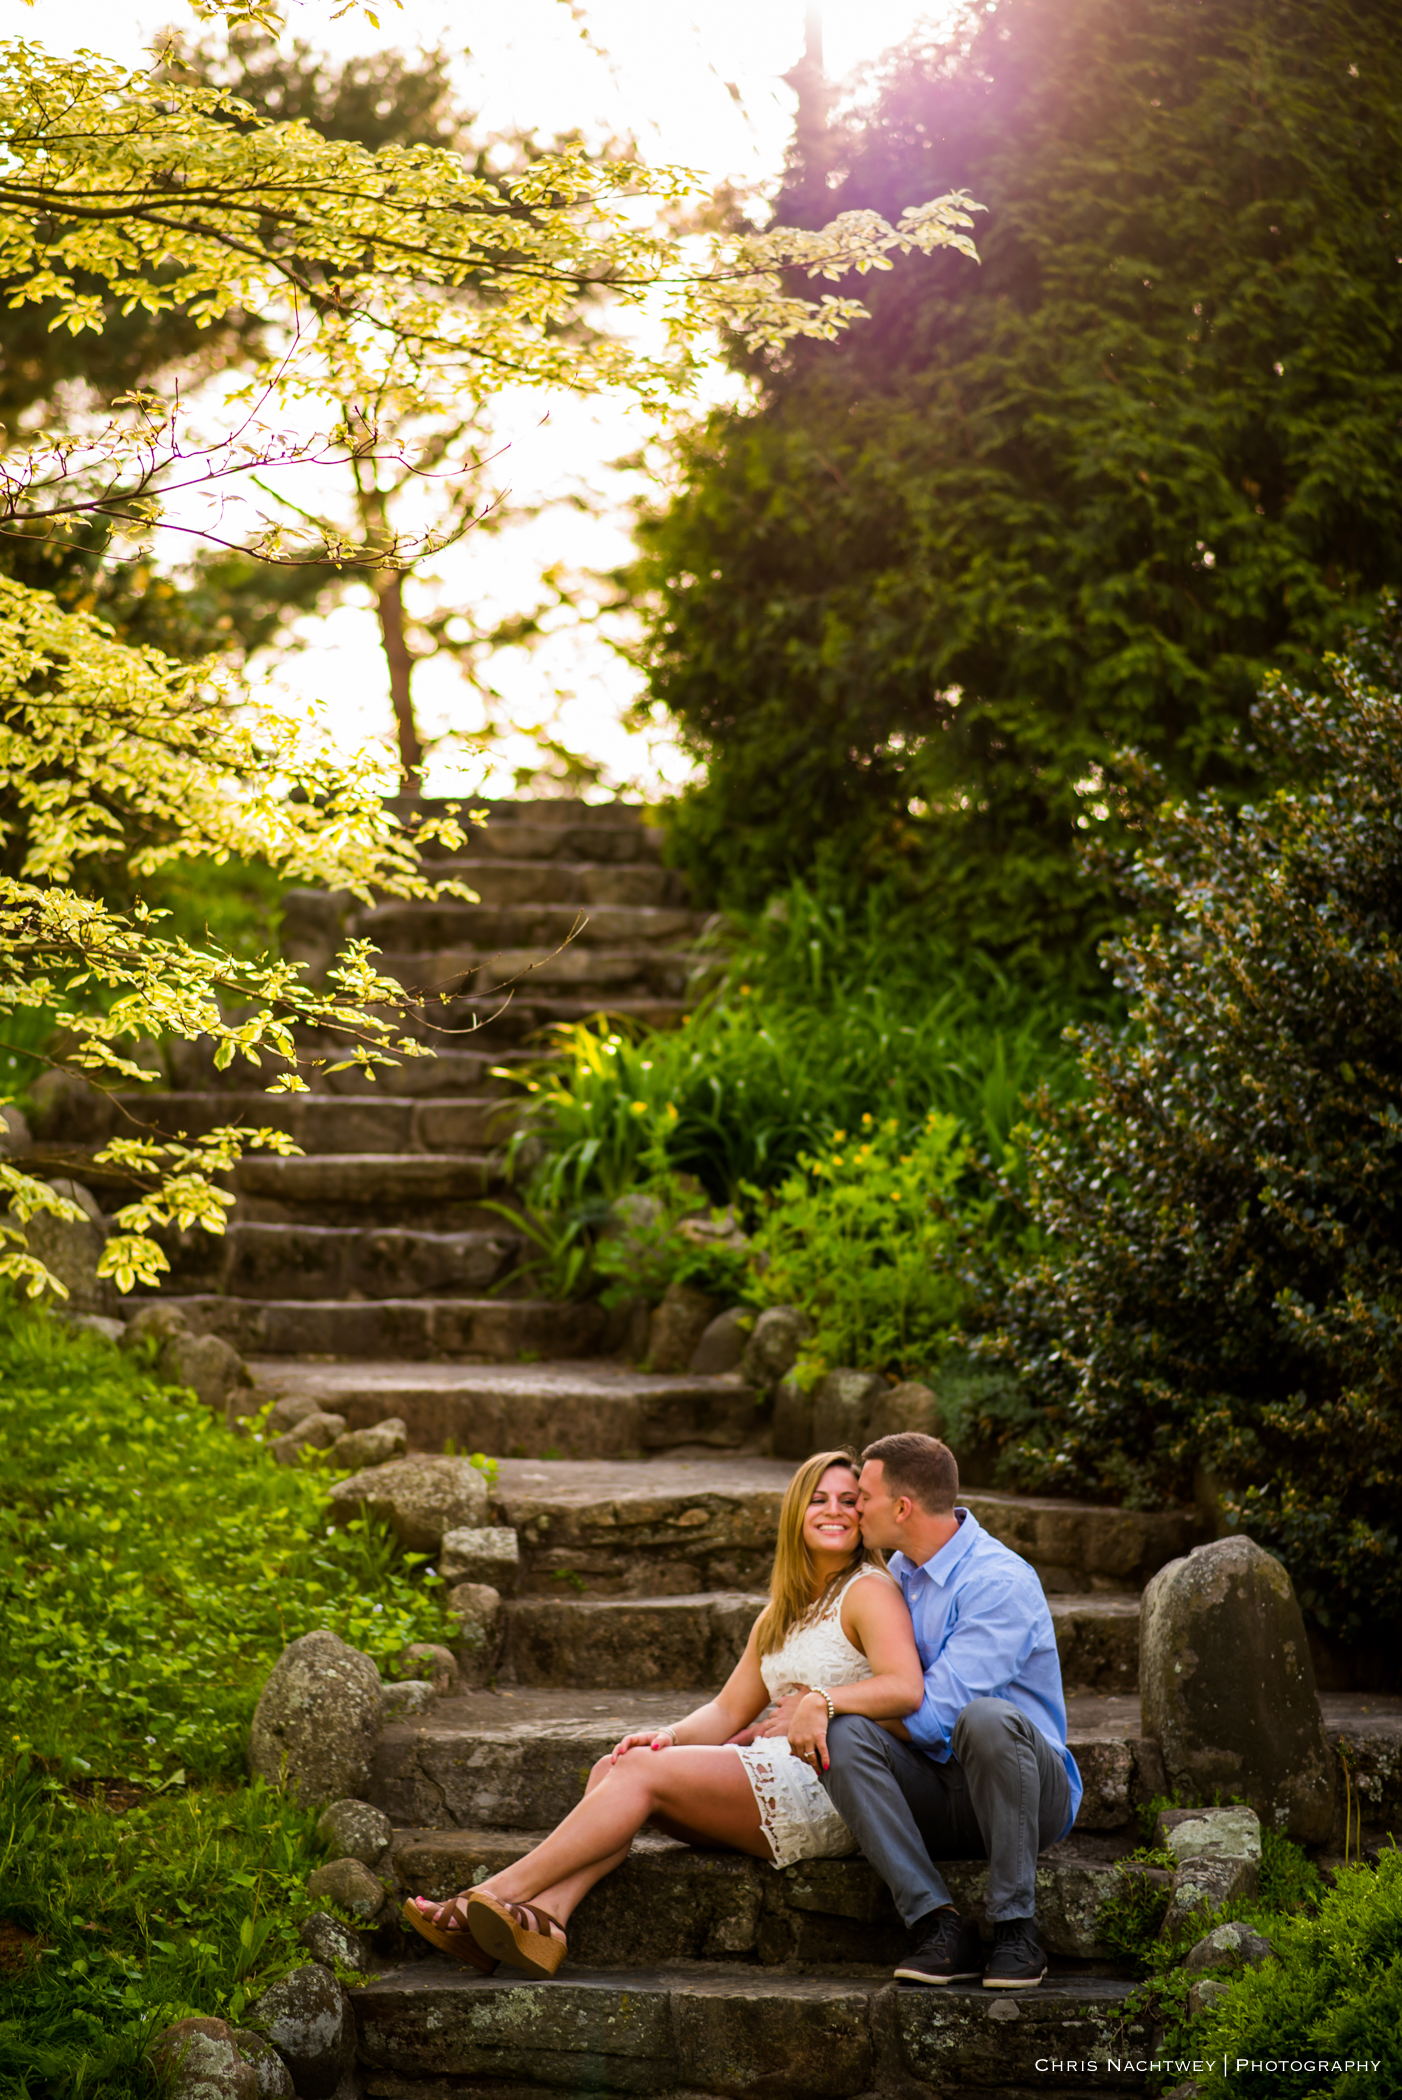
(1076, 498)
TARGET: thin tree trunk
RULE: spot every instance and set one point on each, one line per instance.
(389, 603)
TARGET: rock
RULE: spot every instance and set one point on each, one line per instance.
(287, 1412)
(411, 1695)
(70, 1249)
(723, 1342)
(274, 2078)
(349, 1884)
(14, 1133)
(433, 1662)
(678, 1325)
(772, 1350)
(1217, 1858)
(1201, 1995)
(477, 1608)
(1227, 1687)
(793, 1420)
(308, 2021)
(715, 1229)
(842, 1401)
(317, 1722)
(1232, 1946)
(371, 1447)
(355, 1830)
(491, 1555)
(315, 1432)
(328, 1940)
(208, 1366)
(94, 1323)
(199, 2059)
(420, 1498)
(903, 1407)
(69, 1108)
(155, 1323)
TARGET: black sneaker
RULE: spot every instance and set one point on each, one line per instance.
(951, 1952)
(1019, 1960)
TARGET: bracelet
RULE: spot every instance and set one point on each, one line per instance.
(668, 1730)
(826, 1698)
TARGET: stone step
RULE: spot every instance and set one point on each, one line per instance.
(498, 880)
(670, 1902)
(524, 1018)
(361, 1188)
(327, 1124)
(697, 2032)
(518, 1410)
(347, 1261)
(596, 977)
(517, 1758)
(486, 929)
(497, 1329)
(669, 1527)
(665, 1642)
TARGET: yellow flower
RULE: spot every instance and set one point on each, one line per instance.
(639, 1108)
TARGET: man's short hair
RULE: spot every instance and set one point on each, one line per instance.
(918, 1466)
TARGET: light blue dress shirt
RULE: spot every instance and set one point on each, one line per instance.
(983, 1631)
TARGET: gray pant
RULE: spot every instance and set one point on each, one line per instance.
(1003, 1795)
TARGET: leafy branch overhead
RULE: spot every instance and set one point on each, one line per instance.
(393, 280)
(390, 288)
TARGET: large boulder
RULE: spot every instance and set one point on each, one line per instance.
(308, 2020)
(1227, 1687)
(329, 1940)
(793, 1419)
(420, 1498)
(70, 1249)
(349, 1884)
(199, 2059)
(318, 1720)
(899, 1408)
(213, 1371)
(678, 1325)
(842, 1402)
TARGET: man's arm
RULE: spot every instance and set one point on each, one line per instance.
(994, 1634)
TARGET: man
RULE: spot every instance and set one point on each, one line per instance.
(981, 1767)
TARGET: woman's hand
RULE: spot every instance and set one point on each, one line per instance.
(808, 1731)
(645, 1739)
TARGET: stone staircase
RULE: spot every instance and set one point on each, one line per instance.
(369, 1276)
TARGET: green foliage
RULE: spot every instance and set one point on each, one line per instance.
(152, 1567)
(1223, 1281)
(186, 1902)
(908, 607)
(865, 1237)
(1336, 1984)
(825, 1013)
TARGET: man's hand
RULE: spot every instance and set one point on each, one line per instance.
(780, 1720)
(808, 1731)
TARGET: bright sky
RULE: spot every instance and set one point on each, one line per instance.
(699, 83)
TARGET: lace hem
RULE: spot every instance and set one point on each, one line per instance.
(795, 1814)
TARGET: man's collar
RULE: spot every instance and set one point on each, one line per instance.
(941, 1565)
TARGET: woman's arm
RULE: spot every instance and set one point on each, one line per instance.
(875, 1619)
(735, 1705)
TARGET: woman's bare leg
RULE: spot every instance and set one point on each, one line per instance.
(702, 1789)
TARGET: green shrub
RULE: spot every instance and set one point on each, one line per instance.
(863, 1235)
(152, 1566)
(1335, 1984)
(1222, 1286)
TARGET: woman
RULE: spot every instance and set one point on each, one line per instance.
(835, 1638)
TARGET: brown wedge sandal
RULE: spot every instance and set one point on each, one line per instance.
(457, 1939)
(518, 1933)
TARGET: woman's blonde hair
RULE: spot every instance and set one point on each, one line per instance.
(794, 1590)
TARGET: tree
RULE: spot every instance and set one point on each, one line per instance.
(1220, 1302)
(178, 199)
(907, 606)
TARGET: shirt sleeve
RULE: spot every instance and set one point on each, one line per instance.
(991, 1638)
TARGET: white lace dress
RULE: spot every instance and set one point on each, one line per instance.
(798, 1820)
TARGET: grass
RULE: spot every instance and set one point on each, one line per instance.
(152, 1567)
